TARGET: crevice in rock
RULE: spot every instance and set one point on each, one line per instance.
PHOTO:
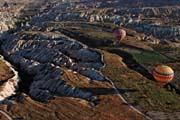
(127, 58)
(26, 81)
(131, 63)
(39, 62)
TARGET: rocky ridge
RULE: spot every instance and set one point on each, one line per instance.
(43, 60)
(9, 87)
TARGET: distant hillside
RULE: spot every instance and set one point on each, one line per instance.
(147, 3)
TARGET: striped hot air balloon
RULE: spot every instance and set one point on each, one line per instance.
(163, 74)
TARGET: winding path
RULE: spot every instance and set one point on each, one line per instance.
(124, 101)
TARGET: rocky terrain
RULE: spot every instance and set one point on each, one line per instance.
(9, 80)
(62, 64)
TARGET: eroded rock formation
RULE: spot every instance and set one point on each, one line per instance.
(43, 60)
(10, 85)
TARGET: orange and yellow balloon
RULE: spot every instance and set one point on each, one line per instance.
(163, 74)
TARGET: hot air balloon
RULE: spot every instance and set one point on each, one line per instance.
(119, 35)
(163, 74)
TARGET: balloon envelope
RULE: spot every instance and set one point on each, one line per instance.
(119, 34)
(163, 74)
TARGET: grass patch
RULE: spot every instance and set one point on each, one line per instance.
(149, 58)
(97, 34)
(92, 37)
(171, 52)
(147, 95)
(163, 48)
